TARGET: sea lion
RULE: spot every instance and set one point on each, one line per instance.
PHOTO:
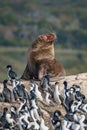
(41, 59)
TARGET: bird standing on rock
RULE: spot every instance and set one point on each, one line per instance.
(13, 111)
(45, 83)
(65, 89)
(23, 121)
(37, 92)
(68, 96)
(57, 94)
(48, 99)
(81, 121)
(6, 92)
(10, 120)
(83, 107)
(18, 90)
(55, 120)
(11, 74)
(21, 106)
(3, 121)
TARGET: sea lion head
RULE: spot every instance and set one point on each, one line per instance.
(48, 37)
(41, 40)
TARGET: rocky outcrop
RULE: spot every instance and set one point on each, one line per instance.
(79, 79)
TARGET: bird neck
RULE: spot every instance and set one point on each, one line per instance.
(56, 87)
(4, 113)
(14, 83)
(5, 85)
(47, 95)
(65, 88)
(36, 88)
(9, 69)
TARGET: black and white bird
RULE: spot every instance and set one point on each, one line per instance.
(33, 102)
(45, 79)
(34, 114)
(13, 111)
(18, 90)
(64, 124)
(11, 74)
(23, 121)
(56, 123)
(77, 94)
(3, 121)
(45, 83)
(48, 99)
(23, 115)
(32, 95)
(34, 108)
(55, 120)
(22, 105)
(81, 121)
(10, 120)
(68, 97)
(37, 92)
(72, 117)
(75, 106)
(65, 85)
(83, 107)
(77, 87)
(6, 92)
(65, 89)
(57, 96)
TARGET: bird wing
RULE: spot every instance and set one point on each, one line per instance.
(12, 74)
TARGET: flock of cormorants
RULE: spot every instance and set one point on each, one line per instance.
(29, 115)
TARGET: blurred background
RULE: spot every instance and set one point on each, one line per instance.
(21, 21)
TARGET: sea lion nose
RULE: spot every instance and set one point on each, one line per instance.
(49, 37)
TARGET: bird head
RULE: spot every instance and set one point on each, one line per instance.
(13, 109)
(5, 109)
(65, 84)
(9, 67)
(57, 113)
(5, 81)
(56, 83)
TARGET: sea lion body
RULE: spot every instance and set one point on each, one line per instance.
(41, 59)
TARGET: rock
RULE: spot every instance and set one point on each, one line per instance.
(79, 79)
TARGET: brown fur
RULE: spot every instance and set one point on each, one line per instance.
(41, 59)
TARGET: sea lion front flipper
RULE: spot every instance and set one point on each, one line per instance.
(42, 70)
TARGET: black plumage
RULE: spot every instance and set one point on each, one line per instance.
(11, 74)
(45, 81)
(55, 120)
(6, 92)
(13, 111)
(68, 97)
(1, 97)
(3, 122)
(20, 92)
